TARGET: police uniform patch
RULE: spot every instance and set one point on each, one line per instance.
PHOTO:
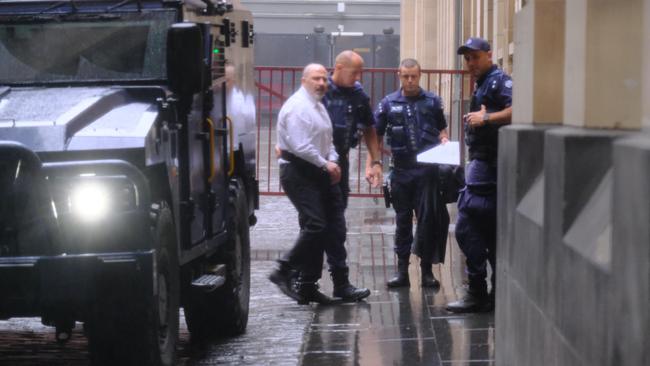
(396, 108)
(508, 84)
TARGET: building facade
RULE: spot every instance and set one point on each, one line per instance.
(302, 16)
(297, 32)
(573, 268)
(432, 30)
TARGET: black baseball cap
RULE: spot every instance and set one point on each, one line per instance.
(474, 44)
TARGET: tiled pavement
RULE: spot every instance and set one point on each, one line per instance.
(396, 327)
(402, 327)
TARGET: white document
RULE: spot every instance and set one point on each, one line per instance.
(448, 153)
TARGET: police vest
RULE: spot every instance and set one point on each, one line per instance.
(344, 115)
(347, 110)
(483, 141)
(412, 127)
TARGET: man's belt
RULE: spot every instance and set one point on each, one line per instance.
(405, 161)
(284, 154)
(302, 164)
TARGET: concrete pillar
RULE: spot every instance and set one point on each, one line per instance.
(522, 255)
(630, 339)
(603, 68)
(408, 28)
(467, 19)
(539, 70)
(418, 32)
(573, 262)
(428, 50)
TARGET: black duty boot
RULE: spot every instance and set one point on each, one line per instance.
(284, 277)
(344, 289)
(401, 278)
(308, 292)
(472, 302)
(428, 280)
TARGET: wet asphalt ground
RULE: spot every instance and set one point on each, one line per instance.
(396, 327)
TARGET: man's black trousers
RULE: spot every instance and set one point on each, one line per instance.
(320, 208)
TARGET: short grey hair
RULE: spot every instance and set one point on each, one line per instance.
(409, 63)
(311, 67)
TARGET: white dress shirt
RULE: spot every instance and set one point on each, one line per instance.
(305, 130)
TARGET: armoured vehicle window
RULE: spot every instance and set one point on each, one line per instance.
(126, 47)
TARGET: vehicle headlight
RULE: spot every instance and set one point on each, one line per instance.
(92, 199)
(90, 202)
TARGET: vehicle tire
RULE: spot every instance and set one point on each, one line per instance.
(224, 311)
(130, 325)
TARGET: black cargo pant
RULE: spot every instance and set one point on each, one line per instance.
(415, 188)
(320, 210)
(476, 225)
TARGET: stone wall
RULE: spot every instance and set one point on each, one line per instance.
(573, 260)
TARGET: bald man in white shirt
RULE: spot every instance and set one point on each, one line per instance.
(309, 175)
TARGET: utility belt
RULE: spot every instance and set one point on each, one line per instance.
(308, 168)
(487, 154)
(487, 189)
(405, 161)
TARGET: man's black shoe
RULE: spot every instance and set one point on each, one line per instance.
(285, 282)
(308, 292)
(350, 293)
(344, 289)
(471, 303)
(399, 281)
(401, 278)
(428, 280)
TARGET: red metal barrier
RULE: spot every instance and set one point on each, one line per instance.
(276, 84)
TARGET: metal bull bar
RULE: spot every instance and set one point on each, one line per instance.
(10, 150)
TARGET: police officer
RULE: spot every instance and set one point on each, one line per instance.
(349, 109)
(490, 108)
(309, 174)
(413, 121)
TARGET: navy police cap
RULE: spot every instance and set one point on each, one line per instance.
(474, 44)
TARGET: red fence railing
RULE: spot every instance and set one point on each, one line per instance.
(276, 84)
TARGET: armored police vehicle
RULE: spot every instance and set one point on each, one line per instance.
(127, 170)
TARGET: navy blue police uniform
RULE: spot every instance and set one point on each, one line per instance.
(413, 125)
(349, 110)
(476, 224)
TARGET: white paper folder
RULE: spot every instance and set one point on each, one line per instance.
(448, 153)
